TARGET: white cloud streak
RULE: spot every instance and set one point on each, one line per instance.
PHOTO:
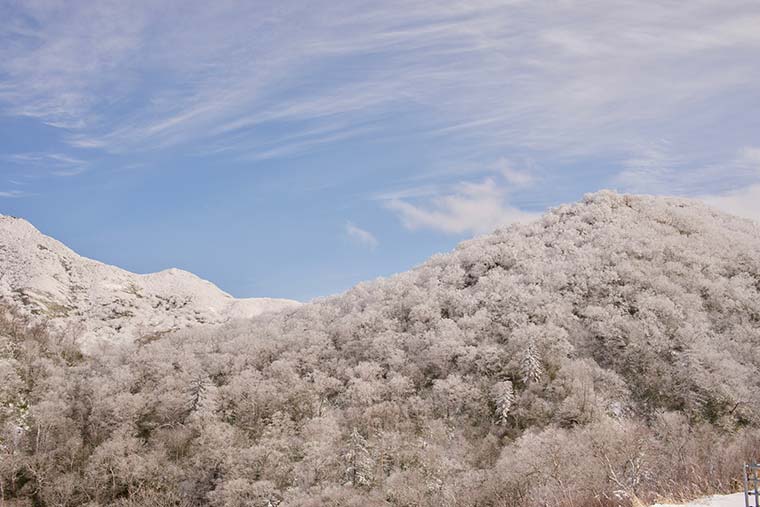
(514, 176)
(12, 194)
(361, 236)
(469, 208)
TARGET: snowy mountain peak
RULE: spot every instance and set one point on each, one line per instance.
(41, 276)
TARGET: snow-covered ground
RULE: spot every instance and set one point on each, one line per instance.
(41, 276)
(735, 500)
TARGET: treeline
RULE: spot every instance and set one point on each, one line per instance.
(606, 355)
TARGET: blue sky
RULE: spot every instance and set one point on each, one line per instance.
(293, 149)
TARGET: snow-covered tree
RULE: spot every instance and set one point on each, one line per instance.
(531, 368)
(503, 397)
(359, 469)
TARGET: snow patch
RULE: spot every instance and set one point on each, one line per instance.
(735, 500)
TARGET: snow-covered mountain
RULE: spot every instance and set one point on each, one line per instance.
(604, 354)
(41, 276)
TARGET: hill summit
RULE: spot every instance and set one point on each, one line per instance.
(656, 299)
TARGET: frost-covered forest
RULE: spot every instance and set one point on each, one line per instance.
(606, 354)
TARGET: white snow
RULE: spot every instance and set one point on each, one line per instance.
(735, 500)
(41, 276)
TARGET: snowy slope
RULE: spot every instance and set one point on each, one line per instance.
(41, 276)
(735, 500)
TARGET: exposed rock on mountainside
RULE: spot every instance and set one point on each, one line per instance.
(41, 276)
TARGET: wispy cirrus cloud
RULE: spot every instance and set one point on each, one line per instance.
(57, 164)
(574, 77)
(659, 167)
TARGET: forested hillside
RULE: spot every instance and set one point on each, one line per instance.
(606, 354)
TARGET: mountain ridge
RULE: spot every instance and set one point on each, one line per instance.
(41, 276)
